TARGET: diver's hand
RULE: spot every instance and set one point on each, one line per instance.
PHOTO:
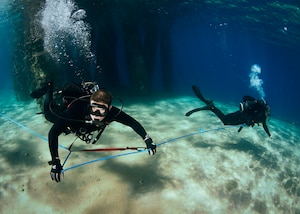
(56, 173)
(151, 146)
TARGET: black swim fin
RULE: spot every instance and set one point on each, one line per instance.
(192, 111)
(207, 107)
(39, 92)
(200, 96)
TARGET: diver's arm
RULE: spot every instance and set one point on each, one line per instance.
(127, 120)
(56, 172)
(53, 134)
(266, 128)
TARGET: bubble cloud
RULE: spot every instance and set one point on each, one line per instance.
(255, 81)
(64, 29)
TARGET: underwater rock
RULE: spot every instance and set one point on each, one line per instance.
(291, 186)
(231, 185)
(260, 207)
(240, 199)
(27, 72)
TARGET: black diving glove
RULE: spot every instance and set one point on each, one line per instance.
(56, 173)
(151, 146)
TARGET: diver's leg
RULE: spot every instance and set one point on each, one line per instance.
(200, 96)
(219, 114)
(42, 90)
(234, 118)
(226, 119)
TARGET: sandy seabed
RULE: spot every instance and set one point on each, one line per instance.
(200, 166)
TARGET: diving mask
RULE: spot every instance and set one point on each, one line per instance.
(99, 110)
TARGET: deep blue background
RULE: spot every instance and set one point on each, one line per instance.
(6, 46)
(219, 57)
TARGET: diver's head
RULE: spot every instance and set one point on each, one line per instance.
(100, 104)
(246, 106)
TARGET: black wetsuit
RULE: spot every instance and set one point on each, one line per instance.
(255, 115)
(72, 119)
(251, 112)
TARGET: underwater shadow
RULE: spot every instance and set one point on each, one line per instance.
(141, 178)
(21, 154)
(258, 153)
(245, 146)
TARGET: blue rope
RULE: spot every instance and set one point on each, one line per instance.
(124, 154)
(103, 158)
(28, 130)
(135, 152)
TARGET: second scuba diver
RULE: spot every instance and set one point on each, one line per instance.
(252, 111)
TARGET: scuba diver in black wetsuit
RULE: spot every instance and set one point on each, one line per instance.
(86, 109)
(251, 111)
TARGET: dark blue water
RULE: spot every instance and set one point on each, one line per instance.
(217, 56)
(6, 44)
